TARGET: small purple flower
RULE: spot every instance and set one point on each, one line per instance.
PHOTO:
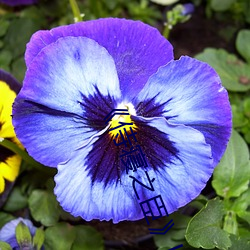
(18, 2)
(77, 74)
(188, 9)
(8, 233)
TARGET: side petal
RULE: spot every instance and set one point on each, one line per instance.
(189, 92)
(137, 48)
(90, 185)
(66, 92)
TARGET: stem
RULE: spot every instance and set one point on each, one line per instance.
(76, 11)
(14, 148)
(166, 30)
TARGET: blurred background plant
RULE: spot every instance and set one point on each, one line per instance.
(214, 31)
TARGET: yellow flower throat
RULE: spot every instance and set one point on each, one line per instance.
(121, 122)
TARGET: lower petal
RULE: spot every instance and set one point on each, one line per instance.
(181, 179)
(94, 185)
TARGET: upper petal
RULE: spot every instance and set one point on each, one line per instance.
(137, 49)
(66, 91)
(189, 92)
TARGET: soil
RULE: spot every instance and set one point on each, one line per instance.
(128, 235)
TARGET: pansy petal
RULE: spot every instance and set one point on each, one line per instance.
(67, 90)
(97, 190)
(137, 49)
(68, 70)
(99, 187)
(181, 163)
(189, 92)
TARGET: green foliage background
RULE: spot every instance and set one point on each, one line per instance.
(220, 221)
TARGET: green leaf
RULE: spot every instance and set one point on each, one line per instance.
(5, 59)
(44, 207)
(246, 106)
(19, 69)
(239, 244)
(4, 24)
(61, 236)
(5, 218)
(5, 246)
(67, 216)
(35, 14)
(247, 136)
(242, 44)
(18, 34)
(87, 238)
(239, 119)
(176, 235)
(234, 74)
(23, 235)
(38, 239)
(199, 202)
(221, 5)
(170, 239)
(245, 215)
(232, 174)
(204, 228)
(242, 202)
(16, 200)
(33, 180)
(246, 11)
(244, 233)
(1, 44)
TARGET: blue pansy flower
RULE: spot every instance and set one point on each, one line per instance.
(18, 2)
(8, 231)
(77, 74)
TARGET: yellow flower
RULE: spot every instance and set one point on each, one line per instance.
(9, 161)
